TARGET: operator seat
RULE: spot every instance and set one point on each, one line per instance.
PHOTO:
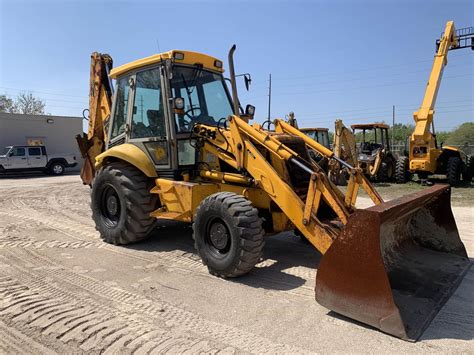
(156, 121)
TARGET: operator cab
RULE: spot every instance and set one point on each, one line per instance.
(374, 137)
(159, 99)
(320, 135)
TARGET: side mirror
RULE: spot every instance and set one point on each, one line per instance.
(247, 80)
(249, 113)
(250, 110)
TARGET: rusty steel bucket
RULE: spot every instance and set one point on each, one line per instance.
(394, 265)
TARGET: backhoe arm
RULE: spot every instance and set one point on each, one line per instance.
(343, 137)
(100, 104)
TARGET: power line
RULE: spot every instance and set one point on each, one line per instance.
(41, 92)
(379, 109)
(368, 69)
(363, 87)
(360, 78)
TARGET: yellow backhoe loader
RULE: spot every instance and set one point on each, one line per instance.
(374, 155)
(426, 157)
(176, 144)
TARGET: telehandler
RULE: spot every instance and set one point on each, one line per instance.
(425, 156)
(173, 143)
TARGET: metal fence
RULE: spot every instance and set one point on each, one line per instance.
(400, 149)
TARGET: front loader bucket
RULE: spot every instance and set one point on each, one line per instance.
(394, 265)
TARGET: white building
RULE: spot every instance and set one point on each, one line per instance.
(57, 133)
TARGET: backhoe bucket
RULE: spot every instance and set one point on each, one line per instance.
(394, 265)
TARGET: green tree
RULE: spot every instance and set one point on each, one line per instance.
(24, 104)
(6, 104)
(462, 135)
(442, 136)
(27, 104)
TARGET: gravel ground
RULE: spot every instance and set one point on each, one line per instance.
(64, 291)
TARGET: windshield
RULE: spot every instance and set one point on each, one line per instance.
(369, 139)
(319, 136)
(206, 99)
(5, 150)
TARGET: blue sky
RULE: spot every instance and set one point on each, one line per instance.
(329, 59)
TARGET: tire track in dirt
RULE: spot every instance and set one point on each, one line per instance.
(86, 229)
(172, 258)
(13, 342)
(38, 244)
(174, 317)
(89, 327)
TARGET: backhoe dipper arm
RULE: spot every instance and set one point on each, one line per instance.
(344, 137)
(100, 106)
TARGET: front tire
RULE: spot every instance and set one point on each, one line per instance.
(228, 234)
(402, 175)
(121, 204)
(454, 171)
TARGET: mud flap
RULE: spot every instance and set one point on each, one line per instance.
(394, 265)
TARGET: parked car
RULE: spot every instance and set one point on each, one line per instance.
(19, 158)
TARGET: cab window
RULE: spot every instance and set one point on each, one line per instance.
(148, 119)
(121, 107)
(205, 97)
(34, 151)
(17, 152)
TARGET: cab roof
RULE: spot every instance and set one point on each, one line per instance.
(369, 125)
(188, 57)
(313, 129)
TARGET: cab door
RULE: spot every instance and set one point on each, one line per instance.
(17, 158)
(35, 158)
(147, 117)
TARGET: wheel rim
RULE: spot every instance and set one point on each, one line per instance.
(57, 169)
(218, 237)
(110, 206)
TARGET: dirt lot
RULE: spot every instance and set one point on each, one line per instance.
(63, 290)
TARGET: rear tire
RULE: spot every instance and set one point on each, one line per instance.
(453, 173)
(402, 175)
(468, 169)
(228, 234)
(121, 204)
(56, 169)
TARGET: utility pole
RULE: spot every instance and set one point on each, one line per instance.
(393, 126)
(269, 94)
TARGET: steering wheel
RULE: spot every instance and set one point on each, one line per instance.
(186, 113)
